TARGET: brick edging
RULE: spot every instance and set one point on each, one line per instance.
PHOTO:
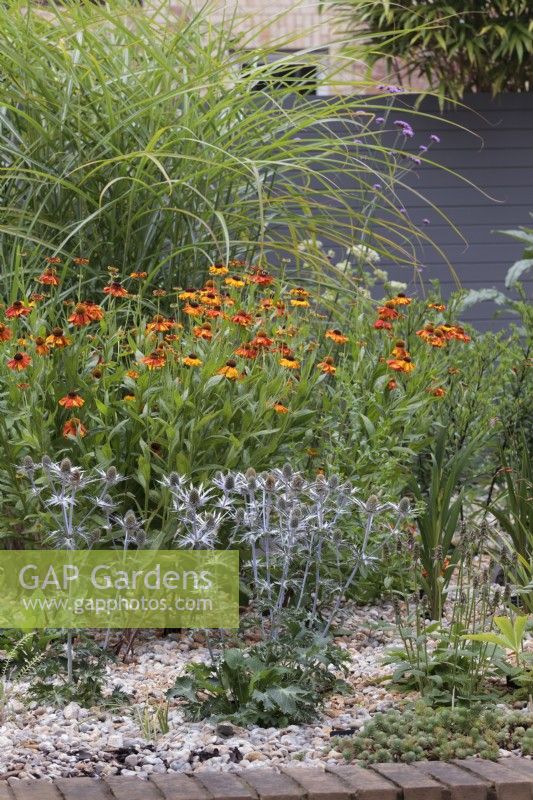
(470, 779)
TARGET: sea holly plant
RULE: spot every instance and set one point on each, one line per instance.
(304, 541)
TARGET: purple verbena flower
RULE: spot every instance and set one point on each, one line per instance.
(423, 148)
(434, 138)
(425, 221)
(379, 120)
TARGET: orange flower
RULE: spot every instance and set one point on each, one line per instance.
(52, 260)
(400, 300)
(133, 374)
(57, 338)
(115, 289)
(192, 308)
(455, 332)
(280, 309)
(213, 312)
(49, 277)
(80, 316)
(192, 360)
(388, 311)
(159, 324)
(73, 428)
(155, 360)
(128, 398)
(209, 298)
(391, 385)
(454, 371)
(242, 318)
(19, 362)
(218, 269)
(399, 350)
(267, 303)
(36, 297)
(437, 306)
(284, 349)
(381, 324)
(262, 340)
(327, 366)
(235, 280)
(23, 386)
(438, 391)
(247, 351)
(18, 309)
(72, 400)
(81, 262)
(280, 408)
(187, 294)
(41, 348)
(289, 362)
(138, 276)
(296, 301)
(203, 331)
(300, 292)
(230, 371)
(401, 364)
(261, 277)
(95, 311)
(5, 333)
(159, 293)
(336, 336)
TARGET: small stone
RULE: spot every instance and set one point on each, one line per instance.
(72, 711)
(225, 729)
(115, 741)
(132, 760)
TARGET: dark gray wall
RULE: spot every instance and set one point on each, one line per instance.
(496, 155)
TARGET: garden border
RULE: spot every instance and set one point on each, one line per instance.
(470, 779)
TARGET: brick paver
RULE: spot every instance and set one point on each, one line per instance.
(472, 779)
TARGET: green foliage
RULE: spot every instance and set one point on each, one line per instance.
(422, 733)
(275, 683)
(456, 45)
(51, 682)
(148, 143)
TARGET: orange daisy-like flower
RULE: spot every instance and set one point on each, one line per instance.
(401, 364)
(388, 311)
(289, 362)
(133, 374)
(187, 294)
(327, 366)
(300, 292)
(267, 303)
(454, 371)
(57, 338)
(18, 309)
(289, 331)
(247, 351)
(299, 303)
(400, 300)
(280, 408)
(192, 308)
(281, 310)
(155, 360)
(399, 350)
(262, 278)
(455, 332)
(80, 316)
(95, 311)
(242, 318)
(41, 348)
(284, 349)
(159, 324)
(218, 269)
(37, 297)
(437, 306)
(5, 333)
(192, 360)
(262, 340)
(74, 427)
(128, 398)
(209, 299)
(19, 362)
(230, 371)
(383, 324)
(236, 281)
(391, 385)
(437, 391)
(438, 339)
(72, 400)
(138, 276)
(336, 336)
(159, 293)
(203, 331)
(80, 261)
(115, 289)
(49, 277)
(213, 312)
